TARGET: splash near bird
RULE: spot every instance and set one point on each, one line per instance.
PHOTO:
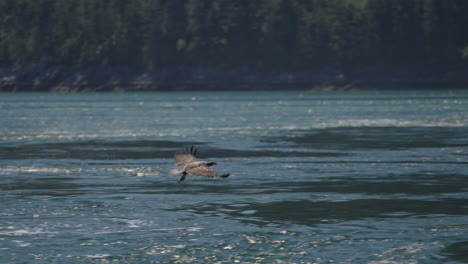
(188, 164)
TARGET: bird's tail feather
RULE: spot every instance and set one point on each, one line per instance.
(174, 172)
(225, 175)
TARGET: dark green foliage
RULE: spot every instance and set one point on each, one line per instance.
(262, 34)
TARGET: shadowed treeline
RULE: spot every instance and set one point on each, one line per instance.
(328, 38)
(158, 33)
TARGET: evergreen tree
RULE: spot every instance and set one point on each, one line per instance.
(265, 34)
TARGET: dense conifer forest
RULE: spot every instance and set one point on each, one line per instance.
(264, 35)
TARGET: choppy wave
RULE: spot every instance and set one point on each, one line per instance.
(219, 131)
(320, 178)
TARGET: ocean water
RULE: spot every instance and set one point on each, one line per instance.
(316, 177)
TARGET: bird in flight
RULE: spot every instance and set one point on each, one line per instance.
(188, 164)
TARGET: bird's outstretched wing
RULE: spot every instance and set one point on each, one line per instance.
(181, 159)
(202, 170)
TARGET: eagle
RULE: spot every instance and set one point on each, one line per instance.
(188, 164)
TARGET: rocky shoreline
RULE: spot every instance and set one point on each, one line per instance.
(39, 78)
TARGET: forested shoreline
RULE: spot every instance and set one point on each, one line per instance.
(162, 44)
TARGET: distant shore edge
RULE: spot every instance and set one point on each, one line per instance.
(40, 78)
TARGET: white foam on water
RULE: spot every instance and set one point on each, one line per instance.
(221, 130)
(408, 252)
(24, 232)
(96, 256)
(133, 223)
(21, 243)
(178, 246)
(386, 122)
(19, 169)
(194, 229)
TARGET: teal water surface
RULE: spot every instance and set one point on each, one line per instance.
(316, 177)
